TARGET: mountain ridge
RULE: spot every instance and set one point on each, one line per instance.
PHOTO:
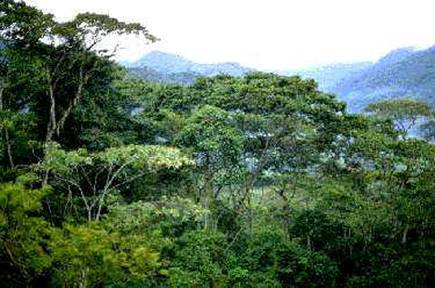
(167, 63)
(403, 72)
(397, 75)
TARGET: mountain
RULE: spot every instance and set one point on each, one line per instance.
(162, 63)
(396, 56)
(164, 67)
(328, 76)
(399, 74)
(404, 72)
(152, 75)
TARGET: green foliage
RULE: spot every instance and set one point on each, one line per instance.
(272, 183)
(169, 217)
(404, 112)
(212, 135)
(90, 256)
(24, 236)
(200, 261)
(291, 265)
(95, 177)
(428, 129)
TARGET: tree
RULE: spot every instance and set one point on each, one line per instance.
(93, 176)
(24, 236)
(216, 145)
(293, 190)
(90, 256)
(428, 129)
(285, 123)
(404, 112)
(67, 53)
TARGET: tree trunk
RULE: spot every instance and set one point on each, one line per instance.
(7, 138)
(1, 97)
(83, 278)
(55, 127)
(82, 81)
(9, 148)
(208, 200)
(100, 205)
(285, 212)
(405, 234)
(51, 126)
(65, 115)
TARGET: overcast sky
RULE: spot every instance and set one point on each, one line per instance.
(267, 34)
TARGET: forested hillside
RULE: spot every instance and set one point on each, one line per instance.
(169, 68)
(328, 76)
(402, 73)
(151, 75)
(260, 180)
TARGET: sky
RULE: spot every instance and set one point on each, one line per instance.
(266, 34)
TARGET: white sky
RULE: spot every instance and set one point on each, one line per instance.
(267, 34)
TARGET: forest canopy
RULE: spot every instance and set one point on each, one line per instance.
(253, 181)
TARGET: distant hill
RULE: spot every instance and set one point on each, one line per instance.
(404, 72)
(152, 75)
(328, 76)
(165, 67)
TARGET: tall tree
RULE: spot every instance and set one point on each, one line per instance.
(403, 112)
(68, 54)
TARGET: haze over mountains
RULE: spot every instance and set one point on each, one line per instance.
(404, 72)
(164, 67)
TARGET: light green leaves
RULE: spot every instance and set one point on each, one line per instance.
(23, 235)
(211, 133)
(140, 156)
(404, 112)
(135, 156)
